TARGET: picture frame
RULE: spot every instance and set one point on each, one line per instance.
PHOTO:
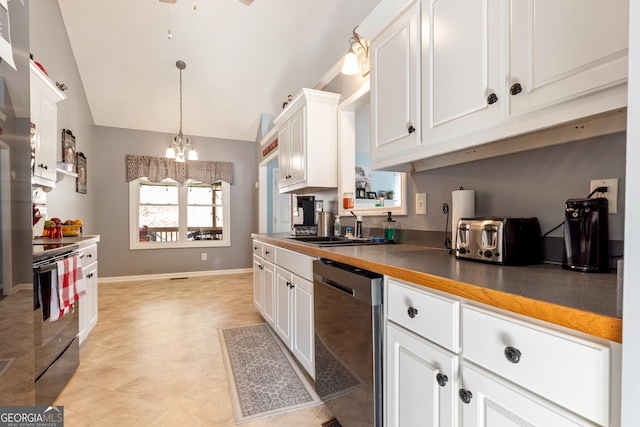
(382, 194)
(81, 168)
(68, 147)
(371, 195)
(360, 193)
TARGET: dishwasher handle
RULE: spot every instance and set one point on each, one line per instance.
(337, 286)
(360, 284)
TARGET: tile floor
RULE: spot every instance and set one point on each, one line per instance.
(154, 358)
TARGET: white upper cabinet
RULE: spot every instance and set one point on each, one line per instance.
(44, 115)
(308, 142)
(394, 88)
(462, 67)
(562, 50)
(490, 70)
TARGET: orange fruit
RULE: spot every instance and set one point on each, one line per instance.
(77, 222)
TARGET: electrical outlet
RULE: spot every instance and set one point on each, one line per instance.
(611, 194)
(204, 256)
(421, 203)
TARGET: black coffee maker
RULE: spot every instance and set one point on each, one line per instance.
(586, 235)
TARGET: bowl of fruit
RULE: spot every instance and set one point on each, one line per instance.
(71, 227)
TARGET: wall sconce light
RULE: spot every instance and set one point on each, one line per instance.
(357, 58)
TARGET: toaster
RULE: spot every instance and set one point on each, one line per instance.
(499, 240)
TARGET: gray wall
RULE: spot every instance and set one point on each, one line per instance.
(112, 204)
(533, 183)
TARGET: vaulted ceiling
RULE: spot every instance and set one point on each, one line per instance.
(242, 60)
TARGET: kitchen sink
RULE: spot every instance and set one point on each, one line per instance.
(333, 241)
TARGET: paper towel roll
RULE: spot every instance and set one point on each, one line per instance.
(463, 206)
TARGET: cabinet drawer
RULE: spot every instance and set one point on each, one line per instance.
(429, 315)
(257, 248)
(269, 252)
(88, 255)
(297, 263)
(570, 371)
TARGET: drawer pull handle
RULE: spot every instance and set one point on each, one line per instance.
(412, 312)
(442, 379)
(492, 99)
(465, 395)
(411, 129)
(266, 252)
(512, 354)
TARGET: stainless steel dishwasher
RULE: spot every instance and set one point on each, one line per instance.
(348, 342)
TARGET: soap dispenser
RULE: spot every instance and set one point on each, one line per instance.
(389, 226)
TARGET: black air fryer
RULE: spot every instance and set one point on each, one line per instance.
(586, 235)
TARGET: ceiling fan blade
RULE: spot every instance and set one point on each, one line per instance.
(246, 2)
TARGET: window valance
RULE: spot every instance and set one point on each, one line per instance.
(155, 169)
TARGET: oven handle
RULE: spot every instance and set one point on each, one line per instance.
(45, 269)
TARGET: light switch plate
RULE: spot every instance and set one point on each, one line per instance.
(421, 203)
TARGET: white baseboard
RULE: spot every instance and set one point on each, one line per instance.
(172, 275)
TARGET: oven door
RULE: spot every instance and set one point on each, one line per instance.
(57, 351)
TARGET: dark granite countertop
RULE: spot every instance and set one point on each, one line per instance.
(581, 301)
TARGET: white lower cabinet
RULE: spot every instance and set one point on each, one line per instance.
(294, 316)
(88, 303)
(421, 381)
(264, 281)
(302, 344)
(501, 369)
(284, 303)
(283, 294)
(490, 401)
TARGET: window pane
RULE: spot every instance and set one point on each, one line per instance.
(200, 195)
(199, 216)
(158, 194)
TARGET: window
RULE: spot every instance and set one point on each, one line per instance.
(167, 214)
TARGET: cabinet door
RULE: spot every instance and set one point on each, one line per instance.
(493, 402)
(462, 67)
(88, 303)
(44, 114)
(561, 50)
(421, 381)
(297, 143)
(283, 154)
(258, 280)
(283, 305)
(91, 275)
(394, 88)
(303, 332)
(269, 293)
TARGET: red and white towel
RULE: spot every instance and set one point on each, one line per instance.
(66, 287)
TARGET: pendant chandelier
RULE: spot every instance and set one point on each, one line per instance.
(181, 148)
